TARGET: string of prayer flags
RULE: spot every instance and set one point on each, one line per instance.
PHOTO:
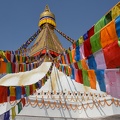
(65, 36)
(17, 67)
(9, 56)
(17, 108)
(25, 45)
(18, 92)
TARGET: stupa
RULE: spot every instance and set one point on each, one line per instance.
(60, 86)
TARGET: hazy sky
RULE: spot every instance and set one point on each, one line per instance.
(19, 18)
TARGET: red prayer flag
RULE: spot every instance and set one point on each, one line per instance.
(78, 76)
(91, 32)
(87, 48)
(112, 56)
(3, 94)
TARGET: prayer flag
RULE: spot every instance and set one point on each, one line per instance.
(13, 113)
(117, 24)
(87, 48)
(18, 92)
(92, 78)
(95, 42)
(19, 107)
(3, 94)
(112, 56)
(108, 17)
(78, 76)
(108, 34)
(12, 93)
(100, 60)
(91, 62)
(115, 11)
(99, 25)
(100, 79)
(86, 80)
(90, 32)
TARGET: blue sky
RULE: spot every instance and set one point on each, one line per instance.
(19, 18)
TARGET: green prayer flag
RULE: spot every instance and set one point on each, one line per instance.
(77, 43)
(86, 81)
(70, 56)
(24, 67)
(18, 57)
(27, 88)
(23, 59)
(79, 64)
(19, 107)
(95, 42)
(99, 25)
(9, 67)
(108, 17)
(66, 70)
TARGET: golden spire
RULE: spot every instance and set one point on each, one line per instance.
(47, 41)
(47, 17)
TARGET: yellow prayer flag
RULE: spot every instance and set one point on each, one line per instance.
(13, 113)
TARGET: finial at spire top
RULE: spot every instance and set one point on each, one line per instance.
(47, 17)
(47, 8)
